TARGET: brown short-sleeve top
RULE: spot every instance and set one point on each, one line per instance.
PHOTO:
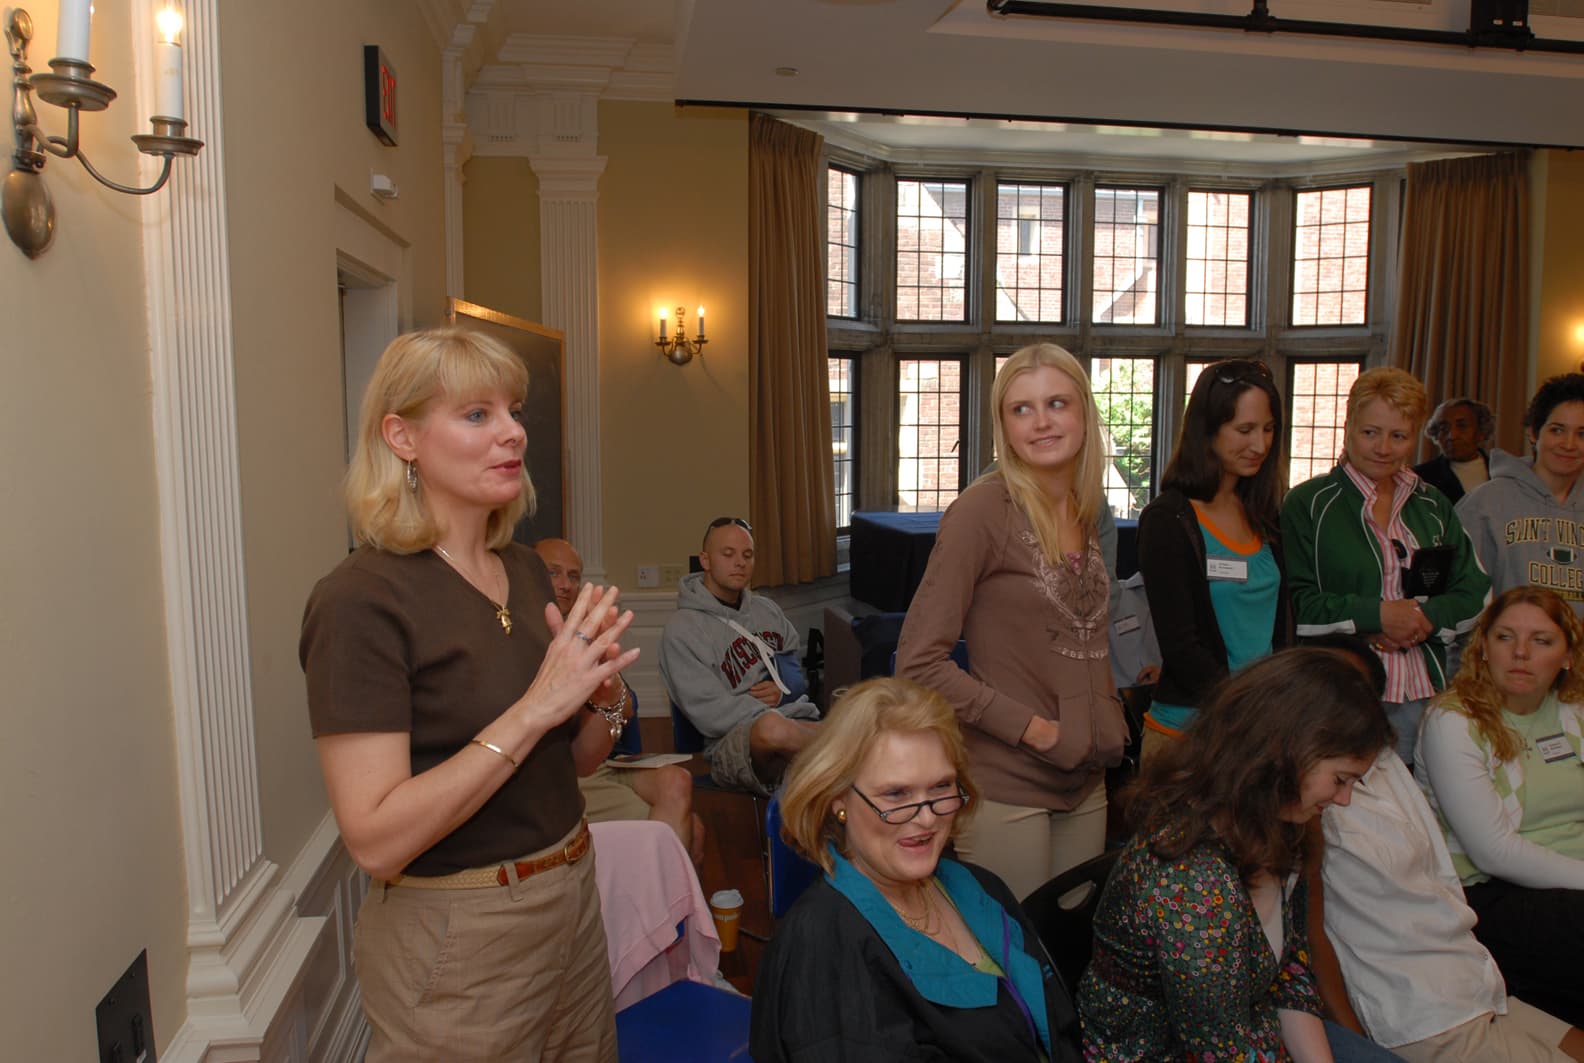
(401, 642)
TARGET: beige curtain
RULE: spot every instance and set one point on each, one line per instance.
(1463, 285)
(789, 451)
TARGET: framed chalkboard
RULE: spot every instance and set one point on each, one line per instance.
(543, 350)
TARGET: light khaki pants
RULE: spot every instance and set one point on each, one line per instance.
(1027, 847)
(515, 972)
(1524, 1035)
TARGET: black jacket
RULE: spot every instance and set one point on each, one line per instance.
(1437, 472)
(1172, 558)
(829, 989)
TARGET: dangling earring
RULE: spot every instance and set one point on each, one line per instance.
(412, 477)
(841, 815)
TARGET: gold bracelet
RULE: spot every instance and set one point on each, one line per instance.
(498, 751)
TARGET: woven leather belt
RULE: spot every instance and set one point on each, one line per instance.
(475, 878)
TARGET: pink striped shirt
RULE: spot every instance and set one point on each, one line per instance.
(1407, 676)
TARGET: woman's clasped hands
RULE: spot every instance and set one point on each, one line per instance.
(584, 658)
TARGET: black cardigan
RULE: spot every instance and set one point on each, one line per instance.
(1437, 472)
(829, 989)
(1172, 558)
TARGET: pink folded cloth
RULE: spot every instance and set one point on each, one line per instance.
(647, 887)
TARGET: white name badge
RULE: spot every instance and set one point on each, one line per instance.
(1554, 748)
(1127, 624)
(1226, 568)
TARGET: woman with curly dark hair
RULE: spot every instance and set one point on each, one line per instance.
(1500, 753)
(1200, 945)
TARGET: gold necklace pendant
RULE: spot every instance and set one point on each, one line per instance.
(502, 610)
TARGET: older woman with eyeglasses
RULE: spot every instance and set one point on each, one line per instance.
(898, 953)
(1209, 544)
(1373, 551)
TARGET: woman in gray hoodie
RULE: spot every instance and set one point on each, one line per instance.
(1527, 522)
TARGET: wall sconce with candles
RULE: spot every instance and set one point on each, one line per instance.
(24, 200)
(679, 348)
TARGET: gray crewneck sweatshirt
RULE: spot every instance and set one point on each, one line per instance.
(1522, 534)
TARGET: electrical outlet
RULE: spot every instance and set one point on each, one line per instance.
(125, 1019)
(648, 576)
(671, 575)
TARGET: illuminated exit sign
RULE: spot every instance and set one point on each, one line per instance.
(379, 93)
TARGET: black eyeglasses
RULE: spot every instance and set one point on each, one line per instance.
(721, 522)
(941, 806)
(1241, 370)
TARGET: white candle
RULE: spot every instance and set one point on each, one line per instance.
(168, 66)
(72, 40)
(701, 323)
(662, 323)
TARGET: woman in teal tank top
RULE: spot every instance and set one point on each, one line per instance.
(1208, 543)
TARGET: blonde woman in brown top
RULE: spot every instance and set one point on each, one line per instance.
(453, 708)
(1019, 572)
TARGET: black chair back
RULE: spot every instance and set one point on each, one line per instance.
(1068, 933)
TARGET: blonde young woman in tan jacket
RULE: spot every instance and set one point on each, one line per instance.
(1020, 572)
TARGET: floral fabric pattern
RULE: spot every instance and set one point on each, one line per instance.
(1182, 968)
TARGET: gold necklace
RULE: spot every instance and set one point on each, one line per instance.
(502, 613)
(924, 924)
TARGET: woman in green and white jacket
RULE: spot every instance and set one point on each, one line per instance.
(1351, 536)
(1502, 762)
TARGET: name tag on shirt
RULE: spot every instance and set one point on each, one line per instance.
(1554, 748)
(1127, 624)
(1226, 568)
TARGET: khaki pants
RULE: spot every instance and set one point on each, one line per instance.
(1523, 1035)
(608, 795)
(515, 972)
(1027, 847)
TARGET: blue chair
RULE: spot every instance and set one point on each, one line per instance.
(631, 741)
(789, 874)
(686, 1022)
(685, 738)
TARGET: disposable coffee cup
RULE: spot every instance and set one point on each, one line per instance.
(726, 907)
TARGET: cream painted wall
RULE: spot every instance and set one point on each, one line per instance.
(295, 141)
(1559, 283)
(500, 210)
(675, 446)
(89, 818)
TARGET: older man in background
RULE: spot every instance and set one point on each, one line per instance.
(1463, 429)
(663, 794)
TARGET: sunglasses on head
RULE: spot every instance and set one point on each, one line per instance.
(1242, 370)
(721, 522)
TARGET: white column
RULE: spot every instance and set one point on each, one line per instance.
(569, 268)
(245, 943)
(457, 145)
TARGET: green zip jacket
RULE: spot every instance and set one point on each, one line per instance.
(1334, 564)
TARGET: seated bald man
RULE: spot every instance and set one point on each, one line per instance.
(611, 793)
(729, 661)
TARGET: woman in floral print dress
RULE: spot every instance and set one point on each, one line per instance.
(1200, 950)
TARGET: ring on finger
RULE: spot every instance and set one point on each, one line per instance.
(581, 637)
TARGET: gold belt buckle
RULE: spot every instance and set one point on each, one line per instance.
(566, 850)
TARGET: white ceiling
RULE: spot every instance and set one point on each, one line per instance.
(1116, 91)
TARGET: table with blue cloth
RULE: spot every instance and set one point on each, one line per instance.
(890, 552)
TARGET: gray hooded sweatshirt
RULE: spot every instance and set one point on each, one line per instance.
(708, 665)
(1524, 535)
